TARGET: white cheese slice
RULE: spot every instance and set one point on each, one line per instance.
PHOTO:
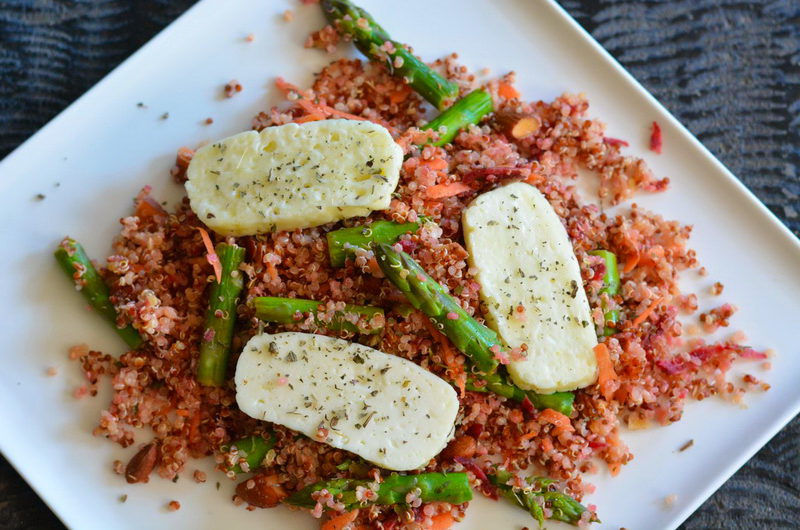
(383, 408)
(524, 259)
(293, 176)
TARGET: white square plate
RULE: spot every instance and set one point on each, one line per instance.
(104, 148)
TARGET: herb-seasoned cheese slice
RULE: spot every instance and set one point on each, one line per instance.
(531, 287)
(293, 176)
(383, 408)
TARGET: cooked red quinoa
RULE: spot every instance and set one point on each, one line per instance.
(158, 276)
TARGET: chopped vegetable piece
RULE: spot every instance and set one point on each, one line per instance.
(468, 110)
(283, 311)
(374, 42)
(556, 418)
(74, 261)
(498, 384)
(342, 242)
(220, 317)
(611, 283)
(538, 495)
(472, 338)
(211, 254)
(606, 368)
(656, 139)
(253, 450)
(430, 487)
(449, 189)
(647, 312)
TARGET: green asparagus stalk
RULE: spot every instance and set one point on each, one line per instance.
(369, 38)
(468, 110)
(611, 283)
(496, 383)
(342, 241)
(531, 499)
(430, 487)
(283, 311)
(220, 317)
(253, 449)
(472, 338)
(73, 259)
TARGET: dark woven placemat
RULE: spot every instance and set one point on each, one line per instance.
(728, 69)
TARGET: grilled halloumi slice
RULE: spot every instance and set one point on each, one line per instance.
(531, 287)
(293, 176)
(381, 407)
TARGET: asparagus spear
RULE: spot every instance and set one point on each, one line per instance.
(564, 507)
(468, 110)
(558, 401)
(369, 37)
(221, 317)
(253, 449)
(341, 241)
(73, 259)
(283, 310)
(472, 338)
(612, 283)
(430, 487)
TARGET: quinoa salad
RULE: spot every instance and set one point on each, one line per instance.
(389, 297)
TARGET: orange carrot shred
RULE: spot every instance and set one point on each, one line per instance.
(606, 369)
(400, 95)
(341, 521)
(647, 312)
(211, 254)
(436, 164)
(527, 436)
(449, 357)
(273, 271)
(285, 86)
(309, 117)
(556, 418)
(450, 189)
(442, 521)
(508, 91)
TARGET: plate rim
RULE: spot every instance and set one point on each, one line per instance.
(747, 451)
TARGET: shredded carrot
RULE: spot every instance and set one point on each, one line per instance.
(436, 164)
(148, 207)
(606, 368)
(211, 254)
(556, 418)
(326, 110)
(442, 521)
(450, 189)
(507, 91)
(449, 356)
(647, 312)
(631, 262)
(340, 522)
(528, 436)
(309, 117)
(374, 268)
(272, 271)
(182, 412)
(400, 95)
(285, 86)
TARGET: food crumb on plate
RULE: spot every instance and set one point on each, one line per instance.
(670, 500)
(288, 15)
(250, 37)
(686, 445)
(174, 506)
(232, 88)
(123, 498)
(51, 371)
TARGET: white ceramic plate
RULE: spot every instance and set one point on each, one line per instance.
(104, 148)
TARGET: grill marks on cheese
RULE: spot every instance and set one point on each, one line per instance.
(525, 261)
(293, 176)
(381, 407)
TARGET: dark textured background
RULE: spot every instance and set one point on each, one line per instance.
(728, 69)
